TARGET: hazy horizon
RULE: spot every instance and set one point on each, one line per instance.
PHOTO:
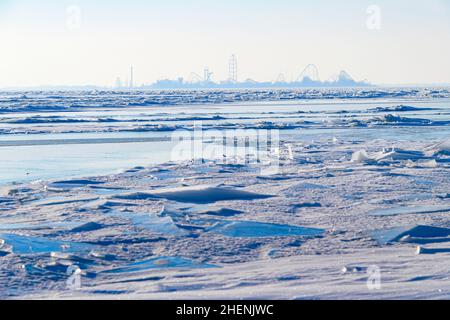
(70, 43)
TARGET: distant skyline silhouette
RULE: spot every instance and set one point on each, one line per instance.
(66, 42)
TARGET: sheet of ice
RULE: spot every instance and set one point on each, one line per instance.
(4, 200)
(400, 108)
(86, 227)
(151, 222)
(410, 210)
(160, 263)
(392, 155)
(109, 205)
(31, 245)
(258, 229)
(391, 235)
(62, 200)
(222, 212)
(70, 184)
(175, 209)
(38, 226)
(103, 191)
(306, 186)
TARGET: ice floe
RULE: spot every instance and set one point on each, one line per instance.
(410, 210)
(149, 221)
(160, 263)
(258, 229)
(411, 234)
(70, 184)
(392, 155)
(31, 245)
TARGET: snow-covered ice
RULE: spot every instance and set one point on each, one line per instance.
(362, 182)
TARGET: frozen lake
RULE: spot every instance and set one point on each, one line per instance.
(363, 173)
(97, 139)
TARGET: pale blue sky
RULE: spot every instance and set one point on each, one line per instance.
(171, 38)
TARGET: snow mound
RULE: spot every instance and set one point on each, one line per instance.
(422, 164)
(197, 194)
(207, 194)
(361, 156)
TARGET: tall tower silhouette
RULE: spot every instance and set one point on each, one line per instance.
(233, 69)
(207, 75)
(131, 77)
(118, 82)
